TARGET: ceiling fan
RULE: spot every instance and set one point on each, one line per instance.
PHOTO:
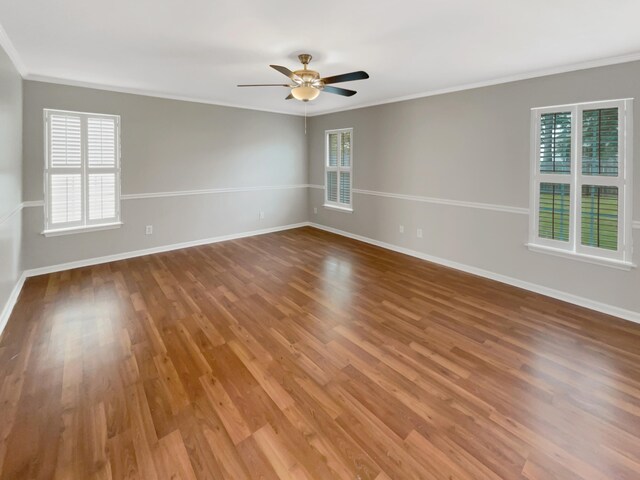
(307, 84)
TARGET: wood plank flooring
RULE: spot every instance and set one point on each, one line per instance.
(302, 354)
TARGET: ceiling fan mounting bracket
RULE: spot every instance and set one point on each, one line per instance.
(305, 58)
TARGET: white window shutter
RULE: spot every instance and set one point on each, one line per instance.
(66, 199)
(82, 170)
(65, 148)
(338, 168)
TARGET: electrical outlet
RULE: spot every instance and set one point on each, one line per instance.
(148, 230)
(401, 229)
(419, 233)
(315, 210)
(261, 215)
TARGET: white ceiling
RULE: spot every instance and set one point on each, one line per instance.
(200, 49)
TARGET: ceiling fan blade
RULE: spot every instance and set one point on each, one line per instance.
(345, 77)
(285, 71)
(289, 97)
(340, 91)
(266, 85)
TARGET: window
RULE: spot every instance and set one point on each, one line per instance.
(338, 169)
(581, 181)
(82, 171)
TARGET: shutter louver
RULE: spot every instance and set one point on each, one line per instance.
(599, 215)
(345, 160)
(101, 142)
(554, 211)
(332, 186)
(555, 143)
(333, 149)
(66, 198)
(339, 157)
(600, 140)
(345, 187)
(65, 143)
(102, 196)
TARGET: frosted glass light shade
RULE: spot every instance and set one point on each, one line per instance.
(305, 93)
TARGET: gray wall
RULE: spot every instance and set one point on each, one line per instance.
(10, 176)
(472, 146)
(172, 146)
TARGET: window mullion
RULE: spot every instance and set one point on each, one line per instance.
(85, 178)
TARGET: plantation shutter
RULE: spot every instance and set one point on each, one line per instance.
(82, 171)
(339, 159)
(64, 171)
(101, 169)
(600, 179)
(581, 173)
(555, 143)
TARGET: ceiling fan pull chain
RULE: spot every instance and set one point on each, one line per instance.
(305, 118)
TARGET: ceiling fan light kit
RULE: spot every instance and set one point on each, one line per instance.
(305, 93)
(307, 84)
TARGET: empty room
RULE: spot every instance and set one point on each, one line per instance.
(343, 240)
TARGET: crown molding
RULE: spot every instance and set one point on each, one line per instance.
(602, 62)
(7, 45)
(148, 93)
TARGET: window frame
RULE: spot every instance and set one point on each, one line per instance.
(337, 205)
(85, 224)
(622, 257)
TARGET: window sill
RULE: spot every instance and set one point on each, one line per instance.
(605, 262)
(338, 209)
(70, 231)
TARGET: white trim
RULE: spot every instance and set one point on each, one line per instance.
(339, 169)
(549, 292)
(337, 208)
(583, 257)
(439, 201)
(553, 108)
(445, 201)
(11, 302)
(12, 53)
(603, 62)
(7, 216)
(84, 170)
(429, 93)
(575, 179)
(415, 198)
(148, 93)
(163, 248)
(15, 293)
(83, 229)
(136, 196)
(184, 193)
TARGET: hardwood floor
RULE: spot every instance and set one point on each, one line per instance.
(302, 354)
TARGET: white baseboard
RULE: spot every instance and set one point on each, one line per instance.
(11, 302)
(549, 292)
(567, 297)
(163, 248)
(8, 308)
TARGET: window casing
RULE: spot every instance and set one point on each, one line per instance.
(581, 181)
(82, 171)
(338, 169)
